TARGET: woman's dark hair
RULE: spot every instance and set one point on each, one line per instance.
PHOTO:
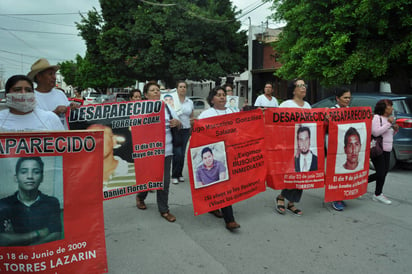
(206, 149)
(133, 91)
(22, 159)
(14, 79)
(212, 93)
(339, 91)
(292, 86)
(381, 106)
(148, 85)
(180, 82)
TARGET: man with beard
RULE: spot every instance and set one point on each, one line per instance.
(305, 160)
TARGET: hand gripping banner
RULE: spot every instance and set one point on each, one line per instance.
(51, 206)
(294, 140)
(226, 160)
(134, 143)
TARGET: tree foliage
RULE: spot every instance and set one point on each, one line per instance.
(339, 42)
(133, 40)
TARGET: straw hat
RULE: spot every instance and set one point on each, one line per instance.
(39, 66)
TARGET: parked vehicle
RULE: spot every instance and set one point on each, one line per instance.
(200, 104)
(402, 105)
(91, 97)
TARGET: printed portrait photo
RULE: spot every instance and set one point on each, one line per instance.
(350, 155)
(306, 152)
(172, 99)
(209, 164)
(232, 102)
(31, 200)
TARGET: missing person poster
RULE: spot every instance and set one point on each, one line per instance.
(295, 147)
(134, 143)
(348, 153)
(51, 207)
(226, 160)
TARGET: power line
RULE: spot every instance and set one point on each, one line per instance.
(35, 31)
(41, 14)
(39, 21)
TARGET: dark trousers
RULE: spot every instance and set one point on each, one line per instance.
(162, 196)
(292, 195)
(381, 164)
(179, 154)
(228, 214)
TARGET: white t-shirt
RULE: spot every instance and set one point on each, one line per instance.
(52, 99)
(262, 101)
(292, 104)
(185, 112)
(38, 119)
(212, 112)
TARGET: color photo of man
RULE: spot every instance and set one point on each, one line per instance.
(29, 217)
(352, 158)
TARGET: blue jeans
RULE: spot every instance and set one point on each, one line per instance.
(179, 154)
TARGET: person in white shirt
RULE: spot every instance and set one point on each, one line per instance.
(298, 88)
(266, 99)
(22, 113)
(47, 96)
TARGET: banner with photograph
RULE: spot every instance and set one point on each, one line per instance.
(226, 160)
(134, 143)
(294, 140)
(51, 207)
(347, 166)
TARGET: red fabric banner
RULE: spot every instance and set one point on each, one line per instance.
(51, 210)
(134, 143)
(294, 140)
(348, 153)
(234, 143)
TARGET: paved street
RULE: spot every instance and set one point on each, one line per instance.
(368, 237)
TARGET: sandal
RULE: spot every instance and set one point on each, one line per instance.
(168, 216)
(294, 210)
(280, 208)
(140, 203)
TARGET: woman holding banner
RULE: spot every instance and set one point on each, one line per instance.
(22, 113)
(151, 91)
(382, 125)
(217, 101)
(298, 88)
(186, 117)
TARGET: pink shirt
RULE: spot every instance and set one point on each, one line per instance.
(385, 130)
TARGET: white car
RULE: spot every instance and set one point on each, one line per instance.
(90, 99)
(200, 104)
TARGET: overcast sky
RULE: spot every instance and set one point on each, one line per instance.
(24, 25)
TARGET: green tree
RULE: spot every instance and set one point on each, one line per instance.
(337, 42)
(131, 40)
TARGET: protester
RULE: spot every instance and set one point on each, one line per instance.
(217, 101)
(266, 99)
(383, 125)
(78, 94)
(135, 95)
(186, 117)
(47, 96)
(298, 88)
(29, 217)
(22, 113)
(229, 89)
(151, 91)
(343, 97)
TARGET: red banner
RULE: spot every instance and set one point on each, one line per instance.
(348, 153)
(226, 160)
(134, 143)
(294, 140)
(51, 210)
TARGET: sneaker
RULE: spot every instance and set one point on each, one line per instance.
(181, 179)
(175, 181)
(338, 205)
(381, 198)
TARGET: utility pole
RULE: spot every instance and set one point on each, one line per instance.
(250, 63)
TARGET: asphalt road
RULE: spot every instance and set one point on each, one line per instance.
(368, 237)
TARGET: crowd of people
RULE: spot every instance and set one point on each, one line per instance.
(43, 107)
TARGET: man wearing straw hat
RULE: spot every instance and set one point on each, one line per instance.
(47, 96)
